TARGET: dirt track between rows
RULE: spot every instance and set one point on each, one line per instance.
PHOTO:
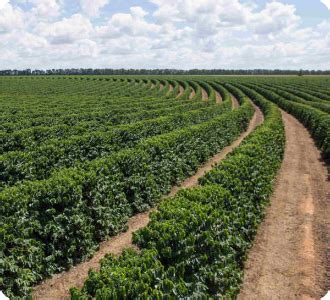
(181, 91)
(59, 285)
(288, 258)
(235, 101)
(192, 94)
(218, 98)
(205, 96)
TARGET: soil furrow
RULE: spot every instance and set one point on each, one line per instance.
(218, 98)
(205, 96)
(181, 91)
(235, 101)
(192, 94)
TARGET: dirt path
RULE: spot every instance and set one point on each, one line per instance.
(218, 98)
(181, 91)
(205, 95)
(171, 88)
(192, 94)
(161, 87)
(287, 260)
(58, 286)
(235, 101)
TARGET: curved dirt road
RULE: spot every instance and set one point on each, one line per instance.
(59, 285)
(288, 258)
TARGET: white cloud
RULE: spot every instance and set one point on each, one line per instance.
(138, 12)
(10, 17)
(177, 34)
(3, 3)
(45, 8)
(66, 31)
(275, 18)
(92, 7)
(326, 3)
(132, 24)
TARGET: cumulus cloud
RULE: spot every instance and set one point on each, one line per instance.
(175, 34)
(45, 8)
(216, 12)
(326, 3)
(92, 7)
(128, 24)
(3, 3)
(275, 18)
(66, 31)
(10, 17)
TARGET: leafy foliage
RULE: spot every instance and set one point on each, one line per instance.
(80, 155)
(75, 208)
(199, 238)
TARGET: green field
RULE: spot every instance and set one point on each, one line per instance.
(81, 155)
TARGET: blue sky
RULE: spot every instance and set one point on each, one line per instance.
(286, 34)
(311, 11)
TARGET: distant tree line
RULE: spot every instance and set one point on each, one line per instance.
(160, 72)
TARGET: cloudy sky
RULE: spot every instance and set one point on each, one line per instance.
(178, 34)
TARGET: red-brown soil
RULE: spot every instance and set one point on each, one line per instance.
(181, 91)
(288, 258)
(205, 96)
(192, 94)
(218, 98)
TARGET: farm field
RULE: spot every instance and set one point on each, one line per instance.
(207, 187)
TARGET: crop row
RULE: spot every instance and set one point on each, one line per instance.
(39, 162)
(100, 89)
(76, 208)
(321, 105)
(196, 243)
(317, 92)
(317, 122)
(301, 93)
(35, 135)
(12, 120)
(37, 104)
(102, 116)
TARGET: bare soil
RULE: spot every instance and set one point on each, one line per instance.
(181, 91)
(161, 87)
(235, 102)
(192, 94)
(59, 285)
(218, 98)
(288, 258)
(171, 88)
(205, 96)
